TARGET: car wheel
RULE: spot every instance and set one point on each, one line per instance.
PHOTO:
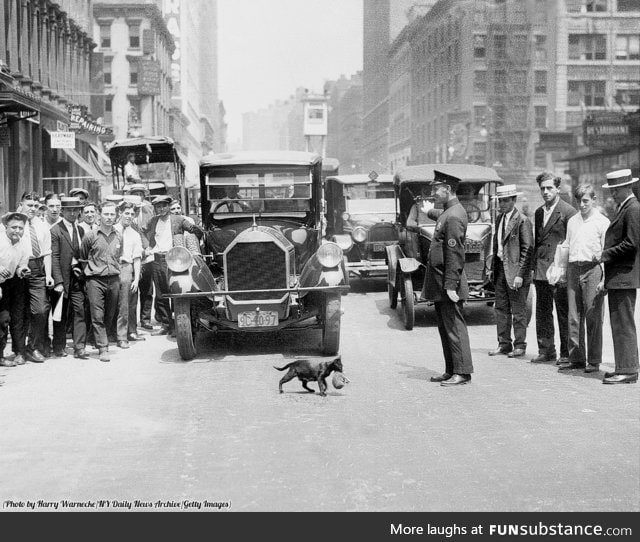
(185, 335)
(331, 325)
(393, 294)
(408, 303)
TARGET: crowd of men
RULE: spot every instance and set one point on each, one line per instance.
(89, 268)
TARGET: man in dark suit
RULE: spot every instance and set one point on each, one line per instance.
(446, 282)
(621, 257)
(66, 238)
(512, 253)
(550, 230)
(161, 233)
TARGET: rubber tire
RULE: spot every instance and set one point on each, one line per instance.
(331, 324)
(408, 303)
(184, 330)
(393, 295)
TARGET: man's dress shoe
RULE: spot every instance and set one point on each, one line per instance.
(592, 368)
(562, 360)
(104, 355)
(457, 380)
(499, 352)
(146, 325)
(19, 359)
(517, 353)
(134, 338)
(441, 378)
(123, 344)
(7, 362)
(35, 357)
(161, 331)
(543, 358)
(570, 365)
(621, 379)
(81, 354)
(59, 354)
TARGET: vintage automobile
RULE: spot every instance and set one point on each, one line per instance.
(266, 266)
(406, 260)
(361, 219)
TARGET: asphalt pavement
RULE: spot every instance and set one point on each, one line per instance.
(152, 428)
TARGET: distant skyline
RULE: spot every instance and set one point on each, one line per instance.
(268, 48)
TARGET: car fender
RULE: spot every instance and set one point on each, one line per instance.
(314, 274)
(198, 279)
(409, 265)
(394, 254)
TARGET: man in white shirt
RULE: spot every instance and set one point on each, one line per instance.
(52, 214)
(130, 264)
(13, 268)
(131, 172)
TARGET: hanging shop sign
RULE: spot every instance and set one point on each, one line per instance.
(80, 123)
(63, 140)
(606, 130)
(149, 77)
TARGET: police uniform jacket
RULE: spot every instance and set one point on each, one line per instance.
(621, 254)
(445, 262)
(550, 236)
(517, 247)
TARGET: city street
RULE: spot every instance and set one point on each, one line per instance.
(150, 427)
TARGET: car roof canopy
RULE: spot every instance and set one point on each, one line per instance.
(361, 178)
(261, 158)
(155, 149)
(465, 172)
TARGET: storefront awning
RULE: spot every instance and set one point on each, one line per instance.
(75, 156)
(18, 106)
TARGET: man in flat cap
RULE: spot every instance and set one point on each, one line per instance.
(512, 254)
(14, 267)
(66, 239)
(80, 193)
(161, 232)
(446, 282)
(621, 258)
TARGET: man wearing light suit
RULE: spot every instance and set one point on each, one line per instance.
(550, 226)
(621, 257)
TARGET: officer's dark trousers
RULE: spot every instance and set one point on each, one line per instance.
(622, 304)
(72, 311)
(511, 311)
(38, 305)
(546, 295)
(103, 300)
(454, 337)
(161, 283)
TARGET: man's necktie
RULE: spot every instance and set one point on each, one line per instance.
(75, 242)
(35, 246)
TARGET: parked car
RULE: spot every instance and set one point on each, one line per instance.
(361, 219)
(406, 273)
(266, 266)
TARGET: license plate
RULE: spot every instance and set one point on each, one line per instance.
(258, 319)
(473, 246)
(378, 247)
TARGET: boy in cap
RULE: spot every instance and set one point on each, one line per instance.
(621, 258)
(512, 253)
(446, 283)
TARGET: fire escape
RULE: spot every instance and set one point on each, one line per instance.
(509, 96)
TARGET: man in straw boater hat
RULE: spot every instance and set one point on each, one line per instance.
(621, 258)
(66, 239)
(585, 282)
(512, 257)
(446, 282)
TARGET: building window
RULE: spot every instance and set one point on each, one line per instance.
(479, 46)
(519, 117)
(105, 35)
(628, 93)
(500, 151)
(499, 117)
(133, 73)
(479, 153)
(540, 47)
(480, 81)
(587, 46)
(500, 46)
(519, 46)
(586, 93)
(108, 110)
(500, 81)
(540, 82)
(134, 36)
(519, 82)
(596, 5)
(628, 47)
(107, 71)
(628, 5)
(540, 112)
(480, 116)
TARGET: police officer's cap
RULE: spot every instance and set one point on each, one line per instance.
(162, 199)
(444, 178)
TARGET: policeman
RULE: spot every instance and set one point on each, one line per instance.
(446, 282)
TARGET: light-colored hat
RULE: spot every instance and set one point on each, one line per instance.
(116, 198)
(620, 177)
(162, 199)
(507, 191)
(130, 198)
(137, 187)
(76, 191)
(70, 203)
(12, 216)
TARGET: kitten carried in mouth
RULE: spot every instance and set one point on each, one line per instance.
(308, 370)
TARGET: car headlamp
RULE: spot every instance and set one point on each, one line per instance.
(359, 234)
(344, 242)
(179, 259)
(329, 255)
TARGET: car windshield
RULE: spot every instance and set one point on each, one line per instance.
(371, 198)
(260, 189)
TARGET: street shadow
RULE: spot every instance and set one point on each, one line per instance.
(415, 372)
(363, 286)
(475, 314)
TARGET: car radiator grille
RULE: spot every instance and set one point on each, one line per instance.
(378, 237)
(474, 267)
(256, 266)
